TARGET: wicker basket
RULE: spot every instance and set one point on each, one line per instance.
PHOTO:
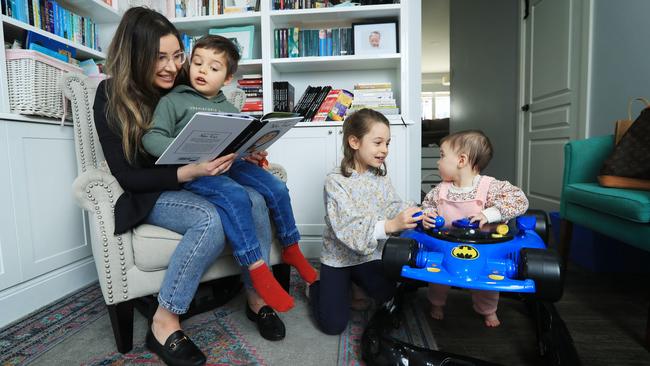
(33, 83)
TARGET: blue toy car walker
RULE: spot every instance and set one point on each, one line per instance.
(509, 258)
(512, 258)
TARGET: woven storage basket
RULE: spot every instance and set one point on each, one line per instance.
(33, 83)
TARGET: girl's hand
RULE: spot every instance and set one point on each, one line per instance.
(404, 220)
(428, 219)
(256, 157)
(214, 167)
(482, 220)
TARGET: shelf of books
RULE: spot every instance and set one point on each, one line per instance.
(101, 11)
(190, 24)
(330, 14)
(16, 29)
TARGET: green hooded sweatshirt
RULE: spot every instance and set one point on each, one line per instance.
(173, 112)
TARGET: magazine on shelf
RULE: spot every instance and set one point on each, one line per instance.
(209, 135)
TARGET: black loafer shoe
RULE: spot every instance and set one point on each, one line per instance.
(179, 350)
(268, 323)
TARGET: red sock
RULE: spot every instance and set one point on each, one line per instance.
(269, 289)
(293, 256)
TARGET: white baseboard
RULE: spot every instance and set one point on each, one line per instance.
(311, 246)
(18, 301)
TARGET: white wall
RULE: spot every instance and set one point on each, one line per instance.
(620, 61)
(484, 75)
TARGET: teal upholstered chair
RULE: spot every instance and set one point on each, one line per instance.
(623, 214)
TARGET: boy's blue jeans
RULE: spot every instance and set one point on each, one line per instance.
(203, 239)
(228, 193)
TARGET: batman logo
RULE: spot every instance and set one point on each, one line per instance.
(465, 252)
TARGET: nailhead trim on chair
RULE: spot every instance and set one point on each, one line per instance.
(76, 121)
(104, 238)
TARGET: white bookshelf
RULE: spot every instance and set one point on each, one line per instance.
(336, 63)
(312, 148)
(337, 13)
(14, 26)
(12, 29)
(97, 10)
(199, 23)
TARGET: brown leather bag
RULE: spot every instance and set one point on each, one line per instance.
(629, 164)
(622, 125)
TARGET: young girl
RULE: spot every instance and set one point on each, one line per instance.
(362, 209)
(465, 193)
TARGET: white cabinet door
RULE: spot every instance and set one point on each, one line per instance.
(10, 273)
(308, 154)
(396, 162)
(49, 225)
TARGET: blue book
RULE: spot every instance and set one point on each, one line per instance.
(49, 43)
(322, 42)
(48, 52)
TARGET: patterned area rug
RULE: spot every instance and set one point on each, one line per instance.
(27, 339)
(215, 332)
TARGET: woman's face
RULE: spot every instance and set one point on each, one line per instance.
(169, 64)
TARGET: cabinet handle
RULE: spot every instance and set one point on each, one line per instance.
(329, 132)
(340, 132)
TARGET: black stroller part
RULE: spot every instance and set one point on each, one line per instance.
(553, 338)
(397, 253)
(543, 267)
(379, 349)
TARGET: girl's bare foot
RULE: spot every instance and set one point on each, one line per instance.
(491, 320)
(437, 312)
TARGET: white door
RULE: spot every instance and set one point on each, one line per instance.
(552, 34)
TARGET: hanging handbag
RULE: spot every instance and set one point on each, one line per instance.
(629, 164)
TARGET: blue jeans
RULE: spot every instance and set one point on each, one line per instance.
(228, 193)
(203, 240)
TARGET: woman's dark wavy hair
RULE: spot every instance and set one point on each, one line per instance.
(131, 63)
(358, 124)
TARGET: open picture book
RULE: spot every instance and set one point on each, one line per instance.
(209, 135)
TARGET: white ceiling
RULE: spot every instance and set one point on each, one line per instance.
(435, 36)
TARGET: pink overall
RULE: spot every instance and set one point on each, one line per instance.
(485, 302)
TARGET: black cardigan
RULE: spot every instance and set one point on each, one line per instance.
(142, 184)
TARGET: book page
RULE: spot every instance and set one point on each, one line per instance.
(270, 132)
(205, 137)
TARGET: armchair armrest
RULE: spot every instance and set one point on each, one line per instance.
(583, 158)
(96, 191)
(95, 186)
(279, 171)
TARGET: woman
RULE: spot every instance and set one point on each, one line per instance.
(144, 61)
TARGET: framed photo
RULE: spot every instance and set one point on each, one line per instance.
(374, 38)
(243, 37)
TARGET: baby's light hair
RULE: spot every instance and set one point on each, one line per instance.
(475, 144)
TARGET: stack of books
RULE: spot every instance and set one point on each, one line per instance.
(251, 84)
(310, 101)
(334, 107)
(377, 96)
(296, 42)
(283, 96)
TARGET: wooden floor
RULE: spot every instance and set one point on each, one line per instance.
(606, 316)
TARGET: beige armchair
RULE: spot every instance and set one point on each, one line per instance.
(132, 265)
